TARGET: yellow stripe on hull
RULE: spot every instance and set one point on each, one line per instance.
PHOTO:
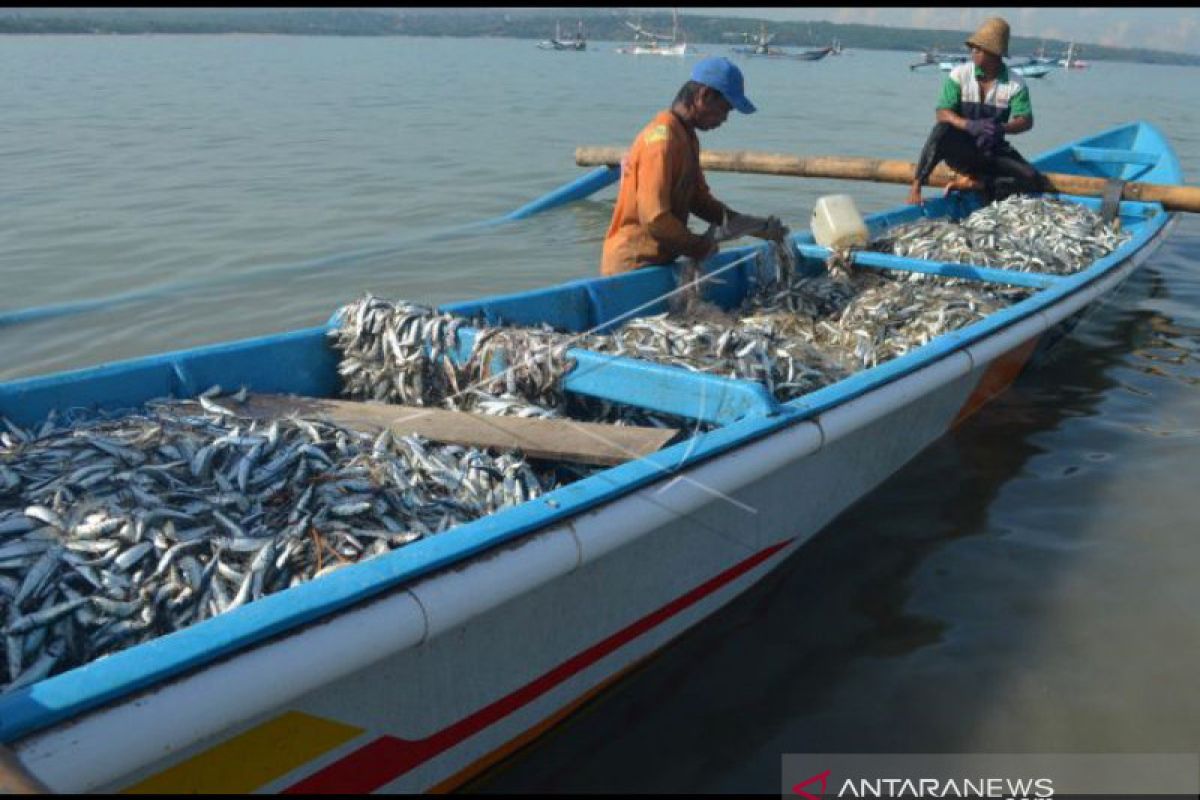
(251, 759)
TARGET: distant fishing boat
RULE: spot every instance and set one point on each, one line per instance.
(929, 57)
(1039, 65)
(762, 45)
(814, 55)
(649, 43)
(1024, 70)
(654, 49)
(559, 43)
(1040, 59)
(1032, 70)
(1070, 61)
(762, 49)
(948, 63)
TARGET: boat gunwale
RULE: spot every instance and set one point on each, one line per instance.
(88, 686)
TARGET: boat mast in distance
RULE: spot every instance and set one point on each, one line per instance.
(646, 42)
(559, 43)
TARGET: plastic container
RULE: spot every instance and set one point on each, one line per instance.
(836, 222)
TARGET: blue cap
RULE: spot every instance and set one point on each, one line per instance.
(720, 74)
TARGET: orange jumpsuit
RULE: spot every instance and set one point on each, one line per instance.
(662, 183)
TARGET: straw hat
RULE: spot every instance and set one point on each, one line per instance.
(992, 36)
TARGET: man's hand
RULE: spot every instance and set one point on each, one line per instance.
(985, 133)
(707, 246)
(914, 195)
(775, 230)
(979, 127)
(739, 225)
(963, 183)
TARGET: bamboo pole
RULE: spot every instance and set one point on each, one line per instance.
(1173, 197)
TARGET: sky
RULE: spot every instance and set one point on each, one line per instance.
(1175, 29)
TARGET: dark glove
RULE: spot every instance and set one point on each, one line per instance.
(738, 225)
(775, 230)
(985, 133)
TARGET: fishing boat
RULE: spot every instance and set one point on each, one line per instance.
(579, 43)
(1070, 61)
(762, 49)
(950, 62)
(654, 48)
(1040, 59)
(649, 43)
(1024, 70)
(814, 55)
(416, 669)
(1031, 70)
(774, 52)
(929, 57)
(761, 46)
(1038, 65)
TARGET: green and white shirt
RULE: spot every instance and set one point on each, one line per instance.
(1008, 96)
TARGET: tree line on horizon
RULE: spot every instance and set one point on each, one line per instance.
(606, 25)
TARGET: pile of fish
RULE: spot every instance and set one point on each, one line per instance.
(1024, 233)
(404, 353)
(765, 347)
(115, 531)
(901, 315)
(792, 338)
(794, 335)
(812, 333)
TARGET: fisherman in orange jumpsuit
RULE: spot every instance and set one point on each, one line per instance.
(661, 180)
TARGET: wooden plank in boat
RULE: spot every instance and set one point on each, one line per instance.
(558, 440)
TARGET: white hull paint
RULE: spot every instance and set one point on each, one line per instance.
(570, 606)
(666, 50)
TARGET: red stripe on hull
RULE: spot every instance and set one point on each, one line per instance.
(388, 757)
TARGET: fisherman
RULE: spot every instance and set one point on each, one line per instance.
(981, 102)
(661, 179)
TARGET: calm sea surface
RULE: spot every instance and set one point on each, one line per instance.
(1026, 584)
